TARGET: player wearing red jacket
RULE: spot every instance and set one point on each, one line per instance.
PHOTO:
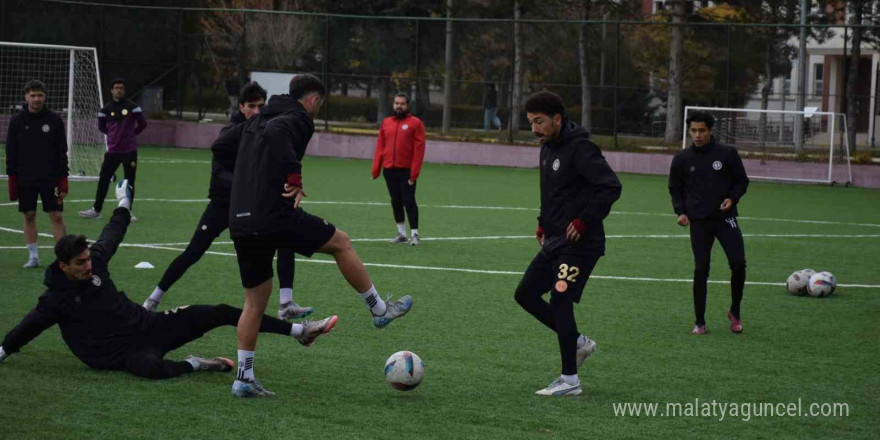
(400, 150)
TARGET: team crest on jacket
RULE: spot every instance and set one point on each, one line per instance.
(124, 111)
(45, 128)
(404, 126)
(716, 165)
(556, 165)
(96, 281)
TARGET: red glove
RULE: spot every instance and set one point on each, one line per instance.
(540, 232)
(295, 180)
(579, 226)
(13, 188)
(63, 187)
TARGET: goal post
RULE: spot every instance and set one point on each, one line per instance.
(769, 135)
(73, 86)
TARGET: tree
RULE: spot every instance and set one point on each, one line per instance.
(859, 13)
(673, 101)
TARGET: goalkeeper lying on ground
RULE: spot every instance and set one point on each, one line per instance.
(107, 331)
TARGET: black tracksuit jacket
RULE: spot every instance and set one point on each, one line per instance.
(224, 151)
(270, 146)
(576, 182)
(36, 146)
(98, 323)
(701, 178)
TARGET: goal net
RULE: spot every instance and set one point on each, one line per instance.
(767, 141)
(73, 91)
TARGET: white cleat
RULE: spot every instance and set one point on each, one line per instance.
(32, 263)
(393, 310)
(89, 213)
(292, 310)
(559, 388)
(250, 388)
(151, 305)
(415, 241)
(400, 239)
(585, 352)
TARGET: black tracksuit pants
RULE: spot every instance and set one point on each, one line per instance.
(176, 327)
(403, 195)
(703, 235)
(108, 168)
(215, 220)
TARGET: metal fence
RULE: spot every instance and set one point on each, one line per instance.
(184, 58)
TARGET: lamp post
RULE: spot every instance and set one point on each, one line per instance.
(319, 57)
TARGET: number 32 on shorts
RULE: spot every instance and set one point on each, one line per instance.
(567, 272)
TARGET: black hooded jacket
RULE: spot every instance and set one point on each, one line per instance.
(36, 146)
(271, 146)
(701, 178)
(98, 323)
(224, 151)
(576, 182)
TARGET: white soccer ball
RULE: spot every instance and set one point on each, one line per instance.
(404, 370)
(797, 281)
(821, 284)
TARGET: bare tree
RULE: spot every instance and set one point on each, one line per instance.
(673, 102)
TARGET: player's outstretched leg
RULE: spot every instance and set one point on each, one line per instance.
(214, 364)
(349, 263)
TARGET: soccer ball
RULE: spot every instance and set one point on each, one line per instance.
(404, 370)
(797, 281)
(821, 284)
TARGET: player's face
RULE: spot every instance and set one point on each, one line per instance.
(544, 127)
(118, 91)
(700, 133)
(79, 267)
(35, 100)
(401, 107)
(251, 108)
(312, 103)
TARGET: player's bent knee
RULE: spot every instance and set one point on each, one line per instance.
(738, 266)
(56, 216)
(30, 216)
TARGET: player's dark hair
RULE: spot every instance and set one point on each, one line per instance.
(402, 95)
(34, 85)
(117, 81)
(703, 117)
(305, 83)
(69, 247)
(251, 92)
(545, 102)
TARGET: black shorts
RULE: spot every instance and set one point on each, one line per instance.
(561, 274)
(45, 189)
(255, 253)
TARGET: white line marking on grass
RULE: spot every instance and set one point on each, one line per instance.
(165, 160)
(507, 208)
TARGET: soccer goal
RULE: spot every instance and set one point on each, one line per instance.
(73, 91)
(767, 141)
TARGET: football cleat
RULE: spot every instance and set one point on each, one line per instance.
(151, 304)
(585, 352)
(736, 325)
(699, 329)
(291, 310)
(415, 240)
(313, 329)
(393, 310)
(559, 388)
(32, 263)
(401, 238)
(250, 388)
(89, 213)
(214, 364)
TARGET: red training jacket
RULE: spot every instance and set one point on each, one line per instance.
(401, 144)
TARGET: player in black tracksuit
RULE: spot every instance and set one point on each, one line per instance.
(264, 215)
(36, 162)
(215, 218)
(577, 191)
(106, 330)
(706, 182)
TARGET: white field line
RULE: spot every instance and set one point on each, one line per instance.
(456, 269)
(501, 208)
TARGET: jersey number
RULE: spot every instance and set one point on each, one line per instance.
(568, 273)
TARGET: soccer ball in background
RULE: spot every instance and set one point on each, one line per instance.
(797, 281)
(821, 284)
(404, 370)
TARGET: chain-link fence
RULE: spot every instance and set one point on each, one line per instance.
(194, 58)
